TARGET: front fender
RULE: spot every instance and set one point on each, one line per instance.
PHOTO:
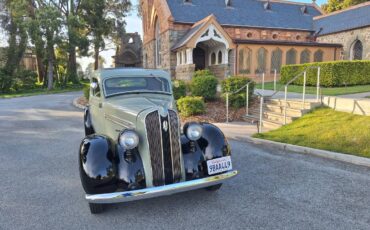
(212, 144)
(97, 167)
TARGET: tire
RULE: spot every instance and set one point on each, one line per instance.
(214, 187)
(96, 208)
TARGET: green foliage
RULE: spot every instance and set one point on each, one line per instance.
(179, 89)
(86, 90)
(233, 84)
(5, 81)
(204, 86)
(189, 106)
(21, 80)
(335, 5)
(202, 73)
(338, 73)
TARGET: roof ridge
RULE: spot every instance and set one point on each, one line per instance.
(343, 10)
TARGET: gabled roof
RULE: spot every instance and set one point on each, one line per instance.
(351, 18)
(190, 38)
(247, 13)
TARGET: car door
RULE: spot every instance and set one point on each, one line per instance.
(96, 107)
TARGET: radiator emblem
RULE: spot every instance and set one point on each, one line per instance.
(165, 126)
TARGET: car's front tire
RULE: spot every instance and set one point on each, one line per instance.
(96, 208)
(214, 187)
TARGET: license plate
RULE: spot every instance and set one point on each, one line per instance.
(219, 165)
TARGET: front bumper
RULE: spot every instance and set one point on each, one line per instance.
(165, 190)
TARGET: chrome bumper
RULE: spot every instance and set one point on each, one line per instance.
(165, 190)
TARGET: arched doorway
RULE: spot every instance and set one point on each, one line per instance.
(199, 58)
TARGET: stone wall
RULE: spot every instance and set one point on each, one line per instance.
(220, 71)
(347, 38)
(185, 72)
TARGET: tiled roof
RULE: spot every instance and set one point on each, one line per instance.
(249, 13)
(188, 36)
(355, 17)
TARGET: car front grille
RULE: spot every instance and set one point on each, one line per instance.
(164, 147)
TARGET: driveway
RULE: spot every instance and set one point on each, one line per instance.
(40, 186)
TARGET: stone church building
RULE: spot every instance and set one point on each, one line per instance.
(244, 37)
(129, 52)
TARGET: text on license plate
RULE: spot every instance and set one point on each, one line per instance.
(218, 165)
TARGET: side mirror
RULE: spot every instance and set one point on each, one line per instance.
(94, 85)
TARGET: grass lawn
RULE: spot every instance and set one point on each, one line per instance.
(327, 129)
(325, 91)
(40, 91)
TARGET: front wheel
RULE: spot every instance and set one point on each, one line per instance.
(96, 208)
(214, 187)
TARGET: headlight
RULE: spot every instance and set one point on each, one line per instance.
(129, 139)
(194, 131)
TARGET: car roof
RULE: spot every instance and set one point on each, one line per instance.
(130, 72)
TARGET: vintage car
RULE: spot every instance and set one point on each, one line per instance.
(134, 148)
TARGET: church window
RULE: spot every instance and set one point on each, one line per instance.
(276, 60)
(213, 58)
(318, 56)
(220, 57)
(305, 56)
(291, 57)
(249, 35)
(261, 60)
(357, 50)
(245, 58)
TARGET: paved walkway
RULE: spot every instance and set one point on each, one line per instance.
(235, 130)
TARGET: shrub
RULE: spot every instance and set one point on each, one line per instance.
(24, 79)
(86, 90)
(5, 81)
(189, 106)
(179, 89)
(233, 84)
(202, 73)
(338, 73)
(204, 86)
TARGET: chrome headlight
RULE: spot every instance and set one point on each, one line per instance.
(194, 131)
(129, 139)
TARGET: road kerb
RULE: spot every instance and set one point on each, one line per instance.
(356, 160)
(76, 104)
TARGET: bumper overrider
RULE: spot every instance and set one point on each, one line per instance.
(118, 197)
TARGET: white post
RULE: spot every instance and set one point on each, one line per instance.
(304, 89)
(275, 73)
(247, 100)
(285, 103)
(318, 84)
(261, 114)
(263, 82)
(227, 107)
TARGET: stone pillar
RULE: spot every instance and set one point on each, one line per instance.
(189, 55)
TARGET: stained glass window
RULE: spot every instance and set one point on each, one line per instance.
(357, 50)
(305, 56)
(276, 60)
(318, 56)
(291, 57)
(245, 59)
(261, 60)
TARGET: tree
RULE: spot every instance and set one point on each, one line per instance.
(335, 5)
(49, 20)
(103, 18)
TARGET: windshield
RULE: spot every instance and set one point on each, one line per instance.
(123, 85)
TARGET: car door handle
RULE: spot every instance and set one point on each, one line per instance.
(100, 105)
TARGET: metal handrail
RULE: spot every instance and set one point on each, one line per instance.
(237, 91)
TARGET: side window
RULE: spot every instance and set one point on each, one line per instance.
(96, 91)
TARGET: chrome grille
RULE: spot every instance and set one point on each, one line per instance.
(164, 147)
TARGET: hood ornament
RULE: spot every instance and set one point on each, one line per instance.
(165, 126)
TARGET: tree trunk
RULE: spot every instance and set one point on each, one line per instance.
(72, 63)
(40, 68)
(96, 56)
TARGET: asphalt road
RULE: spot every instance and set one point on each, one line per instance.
(40, 186)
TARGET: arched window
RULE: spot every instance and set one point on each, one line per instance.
(357, 49)
(318, 56)
(157, 44)
(146, 61)
(276, 60)
(305, 56)
(291, 57)
(261, 60)
(220, 57)
(213, 58)
(245, 58)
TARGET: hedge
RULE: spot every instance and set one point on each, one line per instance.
(179, 89)
(189, 106)
(338, 73)
(233, 84)
(204, 86)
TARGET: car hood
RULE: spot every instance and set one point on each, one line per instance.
(127, 109)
